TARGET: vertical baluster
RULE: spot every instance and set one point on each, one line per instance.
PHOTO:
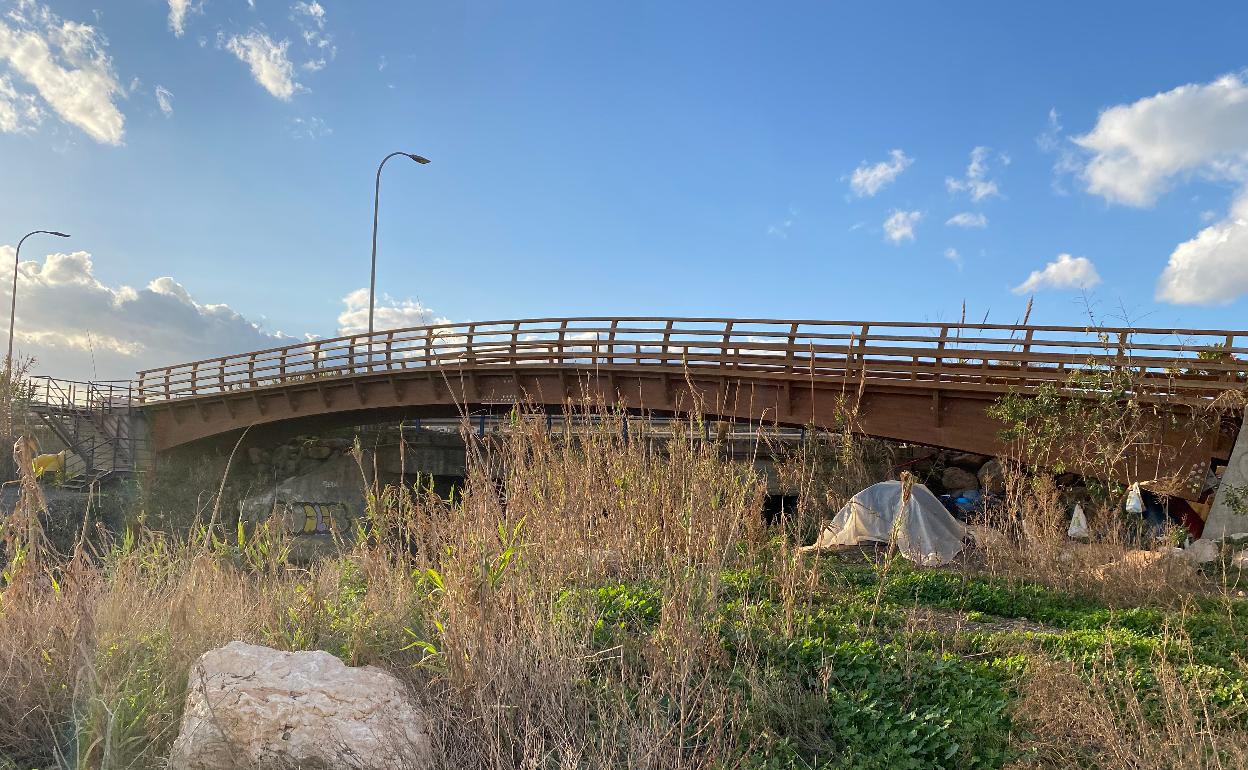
(667, 340)
(789, 354)
(389, 362)
(1027, 360)
(559, 354)
(723, 349)
(940, 359)
(862, 351)
(611, 343)
(221, 375)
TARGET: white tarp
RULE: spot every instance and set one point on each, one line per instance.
(926, 533)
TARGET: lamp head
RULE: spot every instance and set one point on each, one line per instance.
(58, 235)
(419, 159)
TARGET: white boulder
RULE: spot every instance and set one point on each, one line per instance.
(1201, 551)
(250, 706)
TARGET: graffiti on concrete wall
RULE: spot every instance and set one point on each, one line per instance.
(309, 518)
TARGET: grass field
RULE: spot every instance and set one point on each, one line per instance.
(612, 603)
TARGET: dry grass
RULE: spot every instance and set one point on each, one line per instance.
(1124, 720)
(610, 601)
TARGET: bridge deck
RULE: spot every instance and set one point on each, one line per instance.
(1164, 365)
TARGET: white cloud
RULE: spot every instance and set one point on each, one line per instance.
(1051, 141)
(165, 100)
(68, 66)
(77, 326)
(1066, 272)
(1212, 268)
(976, 182)
(178, 11)
(19, 112)
(309, 128)
(310, 17)
(1136, 150)
(388, 314)
(867, 180)
(269, 63)
(1051, 138)
(782, 230)
(968, 220)
(953, 256)
(900, 226)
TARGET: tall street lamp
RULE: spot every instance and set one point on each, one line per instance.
(17, 258)
(372, 278)
(8, 359)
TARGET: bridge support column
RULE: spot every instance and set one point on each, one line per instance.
(1223, 518)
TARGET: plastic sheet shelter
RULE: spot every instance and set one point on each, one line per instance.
(925, 532)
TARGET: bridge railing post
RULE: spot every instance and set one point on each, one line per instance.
(940, 358)
(863, 331)
(789, 353)
(428, 346)
(221, 374)
(611, 342)
(470, 353)
(1230, 374)
(667, 341)
(560, 353)
(281, 366)
(515, 337)
(195, 379)
(389, 363)
(1027, 360)
(723, 348)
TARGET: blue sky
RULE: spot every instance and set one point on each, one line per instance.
(607, 158)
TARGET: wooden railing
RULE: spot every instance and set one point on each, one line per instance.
(1164, 364)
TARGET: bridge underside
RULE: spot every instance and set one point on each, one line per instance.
(954, 419)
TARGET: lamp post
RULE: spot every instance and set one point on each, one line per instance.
(8, 359)
(372, 277)
(17, 257)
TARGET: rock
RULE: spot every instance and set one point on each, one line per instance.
(956, 480)
(1201, 552)
(317, 452)
(985, 536)
(967, 460)
(992, 477)
(1240, 560)
(252, 706)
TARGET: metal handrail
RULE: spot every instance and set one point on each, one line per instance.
(1170, 363)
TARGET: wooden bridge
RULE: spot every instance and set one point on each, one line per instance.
(928, 383)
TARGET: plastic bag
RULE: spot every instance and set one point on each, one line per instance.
(1078, 524)
(1135, 499)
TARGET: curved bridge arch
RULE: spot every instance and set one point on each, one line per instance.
(928, 383)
